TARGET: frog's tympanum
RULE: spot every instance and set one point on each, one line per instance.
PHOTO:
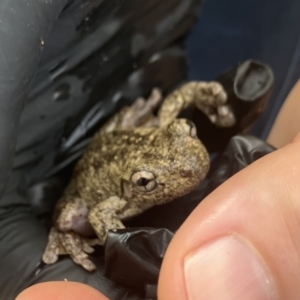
(135, 161)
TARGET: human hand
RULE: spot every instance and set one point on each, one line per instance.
(241, 242)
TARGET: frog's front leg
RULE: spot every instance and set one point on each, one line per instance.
(105, 216)
(140, 113)
(209, 97)
(62, 243)
(71, 222)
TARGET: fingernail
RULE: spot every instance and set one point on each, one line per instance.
(228, 269)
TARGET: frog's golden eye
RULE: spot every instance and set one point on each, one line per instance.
(144, 181)
(191, 128)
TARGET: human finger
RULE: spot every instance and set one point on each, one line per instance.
(242, 241)
(60, 290)
(287, 122)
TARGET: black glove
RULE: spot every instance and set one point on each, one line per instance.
(96, 56)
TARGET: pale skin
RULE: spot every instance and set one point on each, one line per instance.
(287, 123)
(268, 219)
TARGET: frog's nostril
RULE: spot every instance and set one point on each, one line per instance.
(186, 173)
(190, 123)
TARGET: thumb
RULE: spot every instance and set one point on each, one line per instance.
(243, 240)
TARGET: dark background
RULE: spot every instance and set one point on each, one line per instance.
(233, 30)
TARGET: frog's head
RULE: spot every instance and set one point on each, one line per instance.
(171, 163)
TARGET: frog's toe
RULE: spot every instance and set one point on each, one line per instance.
(52, 250)
(93, 242)
(50, 257)
(81, 258)
(213, 118)
(210, 95)
(223, 116)
(226, 117)
(88, 265)
(77, 248)
(217, 93)
(86, 247)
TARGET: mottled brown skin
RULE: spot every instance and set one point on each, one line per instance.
(209, 97)
(134, 162)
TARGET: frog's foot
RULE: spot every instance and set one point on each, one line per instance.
(221, 116)
(62, 243)
(53, 248)
(211, 98)
(139, 114)
(209, 93)
(141, 111)
(225, 117)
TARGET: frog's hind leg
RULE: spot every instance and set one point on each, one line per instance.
(209, 97)
(140, 113)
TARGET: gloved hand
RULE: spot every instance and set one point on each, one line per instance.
(69, 64)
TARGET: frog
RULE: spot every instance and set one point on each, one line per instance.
(136, 160)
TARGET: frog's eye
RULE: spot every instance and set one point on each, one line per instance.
(144, 181)
(191, 128)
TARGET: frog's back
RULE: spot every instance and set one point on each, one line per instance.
(100, 170)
